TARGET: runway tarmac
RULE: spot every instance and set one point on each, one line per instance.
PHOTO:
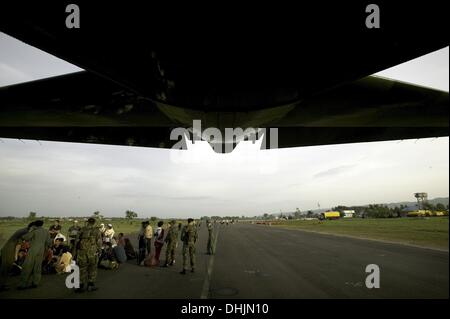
(258, 262)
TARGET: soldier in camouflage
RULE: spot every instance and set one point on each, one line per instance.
(172, 243)
(209, 247)
(88, 245)
(189, 237)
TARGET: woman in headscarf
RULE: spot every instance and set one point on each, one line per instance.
(8, 253)
(159, 241)
(129, 249)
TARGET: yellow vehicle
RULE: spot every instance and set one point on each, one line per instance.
(441, 213)
(330, 215)
(420, 213)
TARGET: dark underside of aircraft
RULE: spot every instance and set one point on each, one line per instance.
(305, 70)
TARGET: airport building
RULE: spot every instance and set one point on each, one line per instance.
(348, 213)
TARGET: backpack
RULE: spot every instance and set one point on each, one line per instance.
(184, 235)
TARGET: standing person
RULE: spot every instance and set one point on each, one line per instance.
(209, 247)
(172, 243)
(141, 243)
(88, 245)
(32, 267)
(8, 254)
(73, 233)
(159, 241)
(54, 229)
(148, 238)
(189, 238)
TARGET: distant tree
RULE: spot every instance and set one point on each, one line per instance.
(378, 211)
(440, 206)
(97, 215)
(428, 206)
(397, 211)
(32, 215)
(297, 213)
(130, 215)
(309, 214)
(266, 216)
(153, 218)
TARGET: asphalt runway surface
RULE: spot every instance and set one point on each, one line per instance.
(259, 262)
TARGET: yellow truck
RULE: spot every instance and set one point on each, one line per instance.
(420, 213)
(330, 215)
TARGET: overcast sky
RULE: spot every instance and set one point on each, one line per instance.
(68, 179)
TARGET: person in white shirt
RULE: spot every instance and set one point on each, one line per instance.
(148, 233)
(59, 235)
(109, 233)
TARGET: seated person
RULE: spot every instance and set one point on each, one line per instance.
(107, 258)
(53, 256)
(63, 263)
(121, 240)
(60, 236)
(109, 232)
(17, 265)
(57, 247)
(129, 249)
(119, 252)
(54, 229)
(114, 242)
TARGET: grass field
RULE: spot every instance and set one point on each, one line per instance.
(428, 232)
(8, 227)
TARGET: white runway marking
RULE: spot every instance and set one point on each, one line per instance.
(206, 284)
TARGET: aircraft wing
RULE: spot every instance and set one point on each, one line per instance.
(145, 75)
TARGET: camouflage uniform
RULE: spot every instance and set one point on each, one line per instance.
(171, 241)
(88, 245)
(189, 237)
(73, 233)
(209, 248)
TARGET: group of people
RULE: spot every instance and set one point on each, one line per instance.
(34, 250)
(170, 238)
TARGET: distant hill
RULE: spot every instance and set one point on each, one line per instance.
(434, 201)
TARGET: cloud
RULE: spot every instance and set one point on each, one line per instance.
(10, 75)
(335, 171)
(69, 179)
